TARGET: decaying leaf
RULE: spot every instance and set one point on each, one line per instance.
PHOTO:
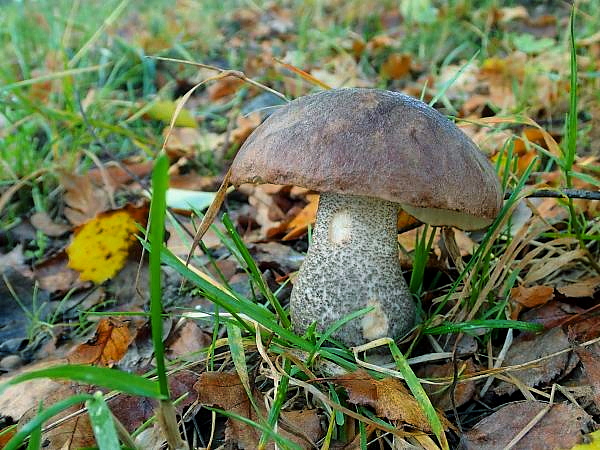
(226, 391)
(388, 397)
(101, 246)
(441, 396)
(74, 433)
(526, 349)
(84, 200)
(54, 274)
(590, 359)
(562, 426)
(43, 222)
(529, 297)
(108, 345)
(185, 339)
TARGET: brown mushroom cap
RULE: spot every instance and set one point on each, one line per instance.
(379, 144)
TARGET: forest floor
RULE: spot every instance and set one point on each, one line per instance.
(505, 352)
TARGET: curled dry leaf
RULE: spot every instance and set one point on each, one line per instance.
(388, 397)
(529, 297)
(108, 345)
(84, 200)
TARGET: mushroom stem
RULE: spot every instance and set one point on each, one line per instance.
(351, 264)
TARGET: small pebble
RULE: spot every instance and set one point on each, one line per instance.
(11, 362)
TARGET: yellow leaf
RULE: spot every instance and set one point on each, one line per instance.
(592, 442)
(100, 246)
(164, 110)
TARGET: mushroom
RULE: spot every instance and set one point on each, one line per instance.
(370, 153)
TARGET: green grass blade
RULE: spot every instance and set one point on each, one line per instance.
(160, 183)
(279, 439)
(255, 273)
(98, 376)
(35, 438)
(475, 326)
(420, 395)
(102, 422)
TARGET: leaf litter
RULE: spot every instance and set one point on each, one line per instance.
(553, 285)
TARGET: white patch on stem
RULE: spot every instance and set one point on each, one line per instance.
(340, 228)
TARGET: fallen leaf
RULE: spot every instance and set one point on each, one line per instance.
(54, 274)
(227, 392)
(396, 66)
(109, 344)
(119, 175)
(590, 360)
(441, 396)
(223, 87)
(388, 397)
(186, 339)
(43, 222)
(305, 218)
(165, 109)
(244, 126)
(183, 141)
(562, 427)
(580, 289)
(526, 349)
(19, 398)
(84, 200)
(101, 246)
(529, 297)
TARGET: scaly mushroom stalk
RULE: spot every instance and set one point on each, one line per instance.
(352, 263)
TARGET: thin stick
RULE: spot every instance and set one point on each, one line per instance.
(225, 72)
(562, 193)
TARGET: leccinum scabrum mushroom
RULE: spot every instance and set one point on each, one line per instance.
(369, 152)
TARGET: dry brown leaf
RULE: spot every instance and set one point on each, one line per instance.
(186, 339)
(441, 396)
(526, 349)
(244, 126)
(74, 433)
(183, 141)
(43, 222)
(227, 392)
(84, 200)
(396, 66)
(529, 297)
(590, 360)
(107, 347)
(19, 398)
(562, 427)
(223, 87)
(388, 397)
(54, 275)
(119, 175)
(580, 289)
(306, 217)
(533, 296)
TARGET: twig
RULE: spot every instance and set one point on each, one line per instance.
(225, 72)
(562, 193)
